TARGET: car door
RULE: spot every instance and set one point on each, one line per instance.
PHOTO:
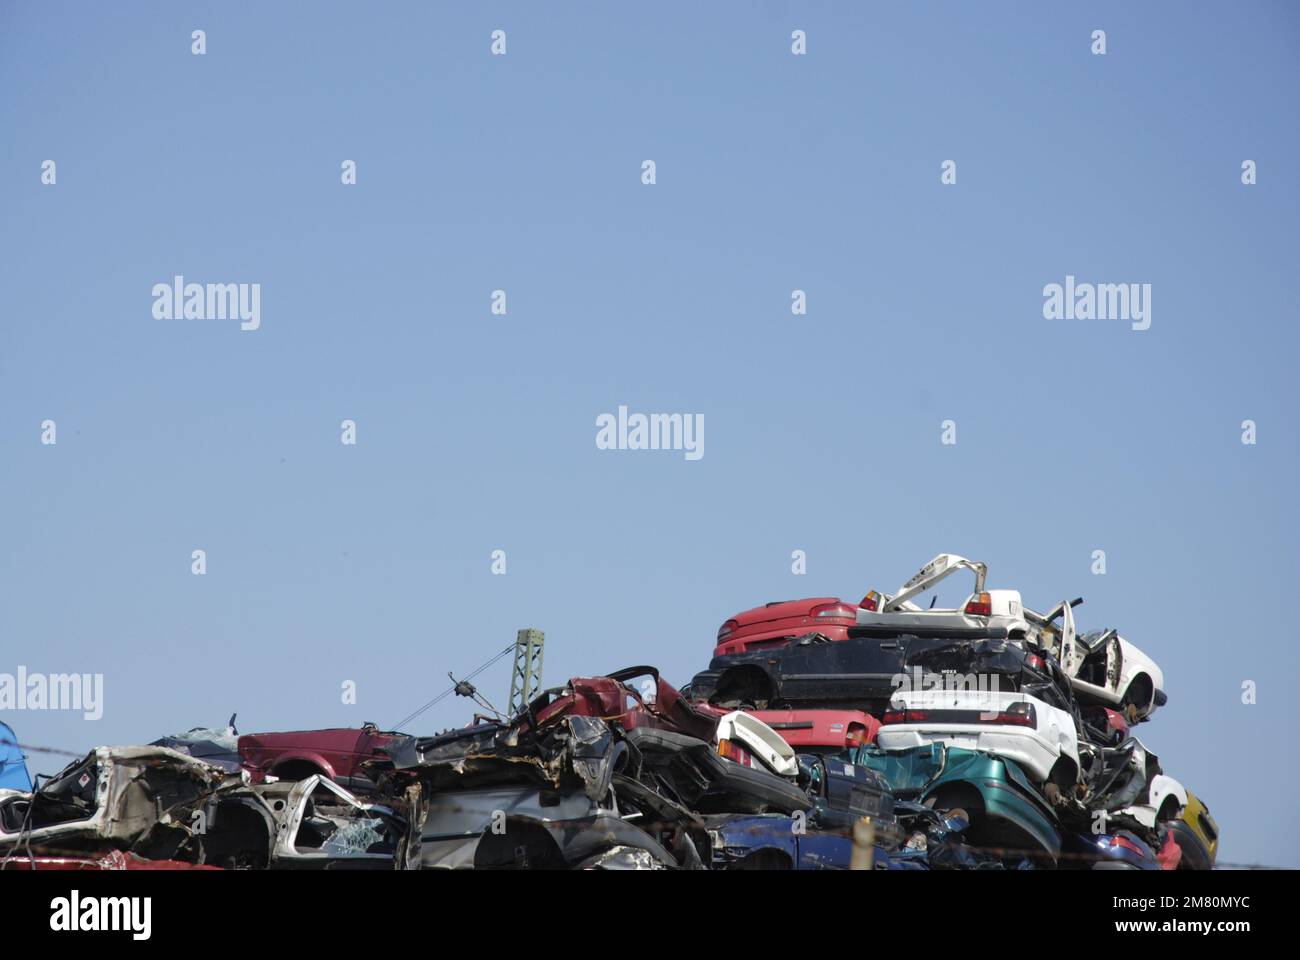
(1101, 666)
(1059, 637)
(1071, 653)
(821, 849)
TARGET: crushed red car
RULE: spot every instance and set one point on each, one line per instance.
(617, 698)
(335, 752)
(821, 731)
(776, 624)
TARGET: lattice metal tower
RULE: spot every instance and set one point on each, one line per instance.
(526, 678)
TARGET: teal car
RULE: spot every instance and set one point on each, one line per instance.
(1008, 816)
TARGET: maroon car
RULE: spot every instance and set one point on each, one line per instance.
(336, 752)
(619, 698)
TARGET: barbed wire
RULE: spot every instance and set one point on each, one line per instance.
(32, 748)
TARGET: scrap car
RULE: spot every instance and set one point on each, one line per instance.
(336, 753)
(1101, 665)
(777, 623)
(159, 804)
(215, 745)
(1008, 817)
(593, 773)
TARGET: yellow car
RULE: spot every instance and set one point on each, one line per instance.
(1196, 834)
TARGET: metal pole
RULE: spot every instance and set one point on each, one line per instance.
(864, 845)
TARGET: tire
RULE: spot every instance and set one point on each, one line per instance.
(297, 770)
(763, 860)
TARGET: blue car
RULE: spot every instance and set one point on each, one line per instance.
(1121, 850)
(816, 839)
(13, 766)
(779, 842)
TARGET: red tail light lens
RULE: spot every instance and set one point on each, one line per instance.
(903, 715)
(1127, 844)
(833, 610)
(1016, 715)
(724, 631)
(980, 605)
(871, 602)
(735, 753)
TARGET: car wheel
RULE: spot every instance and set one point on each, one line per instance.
(763, 860)
(297, 770)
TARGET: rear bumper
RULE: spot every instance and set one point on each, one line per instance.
(1032, 752)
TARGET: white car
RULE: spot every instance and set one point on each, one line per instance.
(1102, 665)
(982, 609)
(1165, 799)
(1128, 782)
(1041, 738)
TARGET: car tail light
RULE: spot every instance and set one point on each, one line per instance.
(833, 610)
(1129, 845)
(725, 630)
(980, 605)
(1017, 715)
(904, 715)
(735, 753)
(871, 601)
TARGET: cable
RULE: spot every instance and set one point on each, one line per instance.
(450, 690)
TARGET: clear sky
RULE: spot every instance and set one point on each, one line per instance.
(371, 563)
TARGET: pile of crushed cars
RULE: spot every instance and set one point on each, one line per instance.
(823, 735)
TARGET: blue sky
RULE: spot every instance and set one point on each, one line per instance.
(775, 172)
